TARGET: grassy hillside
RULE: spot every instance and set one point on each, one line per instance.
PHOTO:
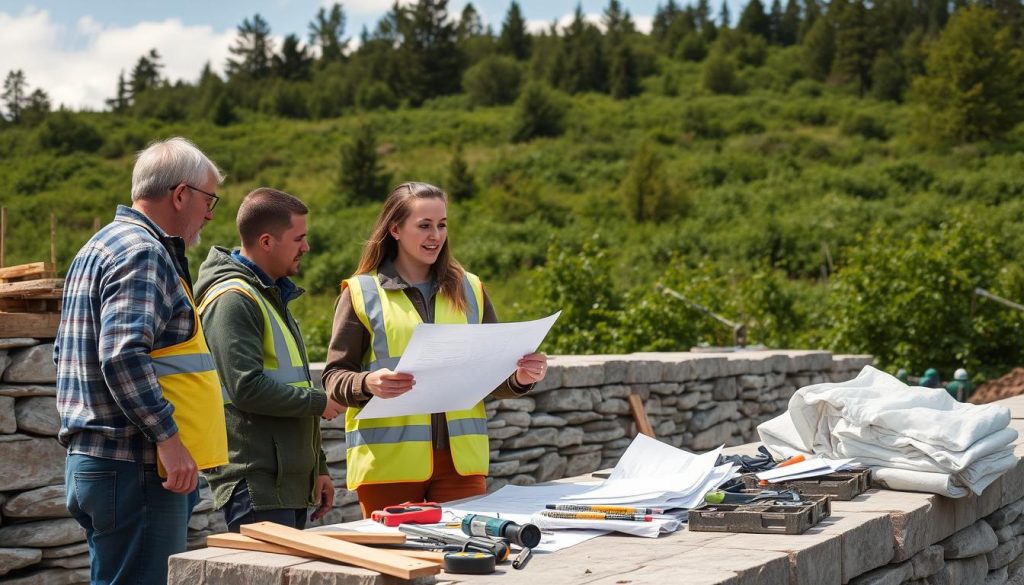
(798, 208)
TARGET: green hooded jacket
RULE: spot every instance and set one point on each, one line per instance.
(273, 429)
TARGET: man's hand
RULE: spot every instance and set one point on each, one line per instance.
(531, 368)
(332, 410)
(182, 473)
(323, 497)
(388, 384)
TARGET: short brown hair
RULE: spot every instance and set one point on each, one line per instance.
(267, 211)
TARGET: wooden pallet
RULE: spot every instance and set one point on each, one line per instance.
(843, 486)
(30, 300)
(760, 517)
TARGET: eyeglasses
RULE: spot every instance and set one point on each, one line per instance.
(211, 203)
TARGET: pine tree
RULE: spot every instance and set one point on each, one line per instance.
(624, 79)
(855, 43)
(327, 31)
(36, 107)
(616, 20)
(775, 22)
(430, 62)
(971, 90)
(470, 25)
(294, 61)
(14, 98)
(461, 183)
(122, 100)
(819, 47)
(253, 50)
(789, 26)
(644, 191)
(754, 21)
(146, 73)
(514, 40)
(583, 58)
(724, 18)
(361, 177)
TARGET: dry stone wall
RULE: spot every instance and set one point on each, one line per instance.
(576, 421)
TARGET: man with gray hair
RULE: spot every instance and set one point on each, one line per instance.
(137, 391)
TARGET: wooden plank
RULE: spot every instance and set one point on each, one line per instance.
(35, 269)
(364, 537)
(243, 542)
(38, 325)
(378, 560)
(636, 404)
(51, 288)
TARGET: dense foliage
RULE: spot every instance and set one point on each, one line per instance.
(839, 176)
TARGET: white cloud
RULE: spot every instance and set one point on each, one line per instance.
(79, 67)
(364, 7)
(643, 23)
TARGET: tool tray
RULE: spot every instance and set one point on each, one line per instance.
(760, 517)
(841, 485)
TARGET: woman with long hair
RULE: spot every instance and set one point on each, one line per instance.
(407, 275)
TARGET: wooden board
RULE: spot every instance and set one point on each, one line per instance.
(38, 325)
(382, 561)
(42, 288)
(20, 271)
(636, 404)
(243, 542)
(363, 537)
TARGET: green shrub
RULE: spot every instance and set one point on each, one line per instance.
(65, 133)
(539, 112)
(375, 95)
(493, 81)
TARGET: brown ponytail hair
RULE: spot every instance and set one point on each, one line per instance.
(446, 272)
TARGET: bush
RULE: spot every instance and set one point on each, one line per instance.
(539, 112)
(375, 95)
(493, 81)
(65, 133)
(720, 74)
(866, 125)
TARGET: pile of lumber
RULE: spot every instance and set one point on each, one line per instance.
(351, 548)
(30, 297)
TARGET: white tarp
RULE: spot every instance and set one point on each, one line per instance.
(914, 438)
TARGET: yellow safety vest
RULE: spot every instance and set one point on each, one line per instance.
(399, 449)
(283, 360)
(189, 381)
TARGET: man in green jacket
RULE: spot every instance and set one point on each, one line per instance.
(277, 467)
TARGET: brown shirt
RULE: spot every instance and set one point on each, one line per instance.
(344, 378)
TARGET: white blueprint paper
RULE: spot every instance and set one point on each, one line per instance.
(456, 366)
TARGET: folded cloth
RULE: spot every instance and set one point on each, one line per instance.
(914, 438)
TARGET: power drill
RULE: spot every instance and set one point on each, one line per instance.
(523, 535)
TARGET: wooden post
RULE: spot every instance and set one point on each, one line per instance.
(3, 237)
(53, 242)
(95, 224)
(643, 425)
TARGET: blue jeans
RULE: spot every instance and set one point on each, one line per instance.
(239, 511)
(131, 522)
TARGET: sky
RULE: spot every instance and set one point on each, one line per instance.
(75, 49)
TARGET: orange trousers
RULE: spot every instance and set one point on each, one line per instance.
(444, 485)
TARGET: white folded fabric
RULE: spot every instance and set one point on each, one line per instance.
(914, 438)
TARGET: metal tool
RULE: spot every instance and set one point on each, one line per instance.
(524, 535)
(522, 558)
(781, 497)
(468, 563)
(408, 513)
(496, 547)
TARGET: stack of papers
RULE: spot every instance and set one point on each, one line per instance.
(809, 468)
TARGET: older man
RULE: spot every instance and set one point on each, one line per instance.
(137, 391)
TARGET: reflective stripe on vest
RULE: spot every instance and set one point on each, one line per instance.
(283, 361)
(188, 380)
(398, 449)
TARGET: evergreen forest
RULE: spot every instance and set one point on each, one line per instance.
(837, 175)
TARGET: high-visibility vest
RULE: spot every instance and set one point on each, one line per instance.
(399, 448)
(189, 381)
(283, 360)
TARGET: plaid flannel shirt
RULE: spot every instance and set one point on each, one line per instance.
(122, 299)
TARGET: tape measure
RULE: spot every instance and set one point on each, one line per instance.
(408, 513)
(468, 563)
